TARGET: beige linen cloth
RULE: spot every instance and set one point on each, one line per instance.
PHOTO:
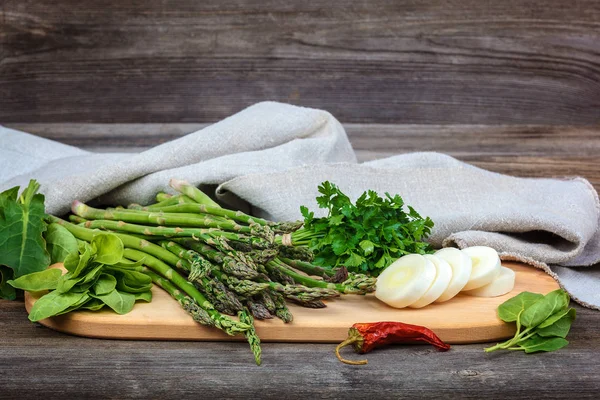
(270, 158)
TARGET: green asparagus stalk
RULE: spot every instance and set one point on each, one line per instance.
(212, 210)
(173, 219)
(206, 235)
(251, 336)
(192, 192)
(162, 196)
(310, 282)
(308, 267)
(258, 310)
(281, 309)
(77, 219)
(232, 263)
(187, 303)
(242, 287)
(228, 325)
(265, 299)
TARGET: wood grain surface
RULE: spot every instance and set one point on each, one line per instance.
(382, 61)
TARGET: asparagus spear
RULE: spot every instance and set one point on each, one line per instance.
(251, 336)
(242, 287)
(192, 192)
(207, 235)
(189, 305)
(310, 282)
(160, 218)
(281, 309)
(228, 325)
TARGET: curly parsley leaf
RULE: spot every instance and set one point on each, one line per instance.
(366, 236)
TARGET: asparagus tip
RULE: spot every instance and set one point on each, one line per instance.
(177, 183)
(77, 206)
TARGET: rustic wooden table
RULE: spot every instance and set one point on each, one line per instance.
(511, 86)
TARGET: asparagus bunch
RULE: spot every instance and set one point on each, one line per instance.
(218, 263)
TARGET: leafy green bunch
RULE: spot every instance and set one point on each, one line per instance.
(97, 275)
(366, 236)
(22, 244)
(543, 322)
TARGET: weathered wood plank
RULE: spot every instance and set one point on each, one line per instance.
(530, 151)
(36, 361)
(458, 61)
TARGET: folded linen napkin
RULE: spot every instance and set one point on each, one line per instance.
(271, 157)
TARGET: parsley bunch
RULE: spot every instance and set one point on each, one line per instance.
(364, 237)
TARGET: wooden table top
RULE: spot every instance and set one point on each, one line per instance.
(36, 361)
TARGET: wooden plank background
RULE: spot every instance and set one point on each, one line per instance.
(381, 61)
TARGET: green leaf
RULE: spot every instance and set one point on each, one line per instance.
(538, 343)
(105, 284)
(77, 263)
(37, 281)
(93, 305)
(132, 281)
(144, 296)
(67, 283)
(367, 246)
(510, 309)
(22, 246)
(52, 304)
(84, 299)
(539, 311)
(557, 327)
(354, 260)
(6, 291)
(120, 302)
(109, 248)
(60, 243)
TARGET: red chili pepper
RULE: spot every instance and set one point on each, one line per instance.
(368, 336)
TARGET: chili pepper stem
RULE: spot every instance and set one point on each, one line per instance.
(345, 343)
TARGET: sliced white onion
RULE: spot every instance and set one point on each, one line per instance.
(405, 281)
(440, 283)
(461, 271)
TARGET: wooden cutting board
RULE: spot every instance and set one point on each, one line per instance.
(464, 319)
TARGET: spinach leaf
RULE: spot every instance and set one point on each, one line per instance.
(120, 302)
(67, 282)
(560, 327)
(83, 300)
(144, 296)
(75, 264)
(510, 309)
(108, 248)
(539, 311)
(93, 305)
(132, 281)
(105, 284)
(537, 343)
(37, 281)
(60, 243)
(547, 321)
(22, 246)
(52, 304)
(6, 291)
